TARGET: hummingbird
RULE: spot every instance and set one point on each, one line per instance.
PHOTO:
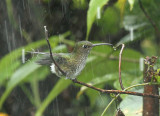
(71, 63)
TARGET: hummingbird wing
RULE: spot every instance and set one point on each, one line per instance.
(44, 60)
(60, 58)
(37, 52)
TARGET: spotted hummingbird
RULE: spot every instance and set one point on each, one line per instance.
(70, 63)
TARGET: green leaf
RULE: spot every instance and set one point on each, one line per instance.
(39, 74)
(79, 4)
(18, 77)
(57, 89)
(121, 5)
(131, 3)
(107, 23)
(148, 47)
(158, 77)
(92, 11)
(108, 78)
(100, 102)
(98, 82)
(132, 105)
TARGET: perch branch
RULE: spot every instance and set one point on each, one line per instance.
(120, 59)
(115, 91)
(50, 50)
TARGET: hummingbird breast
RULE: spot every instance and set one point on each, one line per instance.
(80, 65)
(71, 64)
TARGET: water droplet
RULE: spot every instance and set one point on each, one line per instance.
(98, 13)
(141, 63)
(114, 48)
(131, 33)
(23, 56)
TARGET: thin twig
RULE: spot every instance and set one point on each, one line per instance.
(120, 59)
(116, 91)
(148, 17)
(50, 50)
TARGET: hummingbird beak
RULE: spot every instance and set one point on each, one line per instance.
(99, 44)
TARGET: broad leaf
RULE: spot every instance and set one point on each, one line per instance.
(121, 4)
(92, 11)
(18, 77)
(131, 3)
(132, 105)
(57, 89)
(108, 78)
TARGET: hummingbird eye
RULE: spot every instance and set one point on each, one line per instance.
(85, 46)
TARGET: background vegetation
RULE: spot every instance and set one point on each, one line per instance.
(27, 89)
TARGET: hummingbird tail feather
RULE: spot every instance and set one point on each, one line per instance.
(44, 61)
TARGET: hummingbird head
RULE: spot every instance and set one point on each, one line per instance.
(86, 46)
(83, 47)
